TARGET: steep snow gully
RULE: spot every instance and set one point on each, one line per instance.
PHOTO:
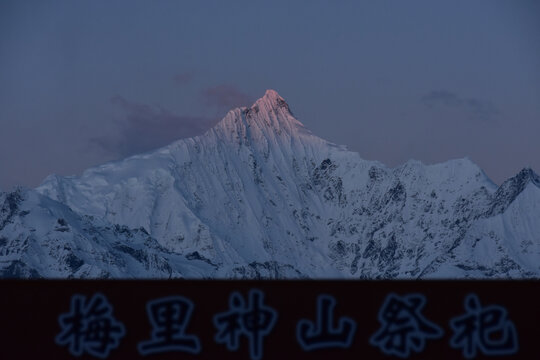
(260, 196)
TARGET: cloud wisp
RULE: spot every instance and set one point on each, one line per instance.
(144, 127)
(225, 96)
(476, 108)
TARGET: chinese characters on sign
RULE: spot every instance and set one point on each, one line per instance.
(91, 328)
(322, 334)
(403, 326)
(169, 317)
(254, 321)
(483, 328)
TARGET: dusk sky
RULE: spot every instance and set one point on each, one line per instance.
(85, 82)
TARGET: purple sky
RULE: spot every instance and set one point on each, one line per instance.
(82, 83)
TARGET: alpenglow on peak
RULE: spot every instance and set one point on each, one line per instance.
(270, 115)
(271, 101)
(271, 96)
(258, 196)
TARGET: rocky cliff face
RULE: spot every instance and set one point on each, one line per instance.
(259, 195)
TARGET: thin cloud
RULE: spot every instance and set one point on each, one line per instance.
(144, 127)
(226, 97)
(478, 109)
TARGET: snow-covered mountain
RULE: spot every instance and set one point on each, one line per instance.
(40, 237)
(259, 195)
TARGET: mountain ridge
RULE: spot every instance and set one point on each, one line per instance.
(258, 195)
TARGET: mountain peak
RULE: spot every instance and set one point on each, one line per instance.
(527, 175)
(271, 95)
(271, 101)
(269, 115)
(511, 188)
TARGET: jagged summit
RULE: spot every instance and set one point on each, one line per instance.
(525, 177)
(271, 101)
(259, 196)
(270, 95)
(512, 188)
(269, 117)
(528, 175)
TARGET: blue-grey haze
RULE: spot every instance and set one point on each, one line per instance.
(84, 82)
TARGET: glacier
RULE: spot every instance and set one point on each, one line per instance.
(260, 196)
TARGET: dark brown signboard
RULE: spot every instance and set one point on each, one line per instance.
(269, 319)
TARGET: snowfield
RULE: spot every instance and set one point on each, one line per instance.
(260, 196)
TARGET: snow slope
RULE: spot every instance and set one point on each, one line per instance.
(259, 195)
(40, 237)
